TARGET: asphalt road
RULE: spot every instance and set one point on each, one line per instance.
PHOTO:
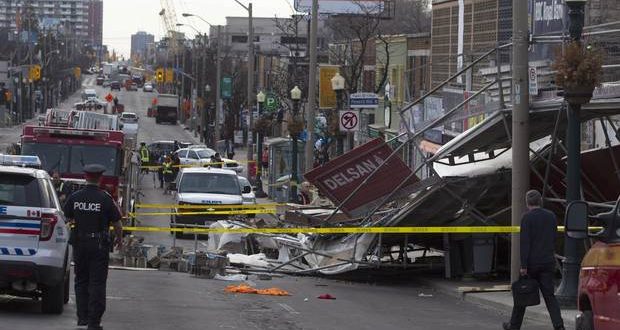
(169, 300)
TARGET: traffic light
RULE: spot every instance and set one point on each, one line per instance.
(169, 75)
(35, 72)
(159, 75)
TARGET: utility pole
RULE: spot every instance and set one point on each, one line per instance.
(520, 127)
(312, 85)
(218, 83)
(251, 94)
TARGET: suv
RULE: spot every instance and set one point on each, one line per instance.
(34, 249)
(205, 186)
(115, 85)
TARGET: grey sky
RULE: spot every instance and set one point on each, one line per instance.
(122, 18)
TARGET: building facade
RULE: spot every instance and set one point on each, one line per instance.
(140, 44)
(71, 15)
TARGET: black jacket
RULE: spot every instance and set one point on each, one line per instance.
(538, 233)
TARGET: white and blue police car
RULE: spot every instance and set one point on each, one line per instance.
(34, 236)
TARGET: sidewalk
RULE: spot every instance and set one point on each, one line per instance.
(10, 135)
(494, 295)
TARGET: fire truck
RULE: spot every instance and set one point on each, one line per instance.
(70, 139)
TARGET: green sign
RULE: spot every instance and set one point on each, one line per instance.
(226, 89)
(271, 102)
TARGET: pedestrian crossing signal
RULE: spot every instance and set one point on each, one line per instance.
(159, 75)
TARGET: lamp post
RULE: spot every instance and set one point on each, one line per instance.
(296, 97)
(260, 99)
(250, 57)
(338, 87)
(567, 292)
(204, 116)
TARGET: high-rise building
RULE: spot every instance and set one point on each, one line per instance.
(139, 44)
(67, 15)
(95, 22)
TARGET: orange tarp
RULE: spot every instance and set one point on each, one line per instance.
(244, 288)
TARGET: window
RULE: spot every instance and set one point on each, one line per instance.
(205, 153)
(209, 183)
(192, 155)
(20, 190)
(182, 153)
(240, 39)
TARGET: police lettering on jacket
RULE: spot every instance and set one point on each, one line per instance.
(89, 207)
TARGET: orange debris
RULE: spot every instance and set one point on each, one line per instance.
(244, 288)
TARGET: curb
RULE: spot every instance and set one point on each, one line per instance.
(504, 309)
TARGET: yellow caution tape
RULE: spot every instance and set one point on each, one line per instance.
(207, 206)
(230, 212)
(343, 230)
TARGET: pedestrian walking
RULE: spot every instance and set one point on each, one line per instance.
(538, 233)
(92, 210)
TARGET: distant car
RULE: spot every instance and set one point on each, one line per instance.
(115, 85)
(147, 88)
(106, 83)
(128, 117)
(131, 87)
(202, 156)
(89, 94)
(100, 80)
(91, 104)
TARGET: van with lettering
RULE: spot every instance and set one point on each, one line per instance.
(598, 298)
(34, 239)
(203, 186)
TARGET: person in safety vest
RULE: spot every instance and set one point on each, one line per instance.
(168, 173)
(145, 157)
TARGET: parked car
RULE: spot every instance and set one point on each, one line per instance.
(147, 88)
(35, 254)
(106, 83)
(115, 85)
(100, 80)
(202, 156)
(131, 87)
(248, 194)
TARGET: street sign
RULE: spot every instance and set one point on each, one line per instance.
(169, 75)
(349, 121)
(363, 101)
(338, 178)
(533, 80)
(109, 97)
(271, 102)
(226, 87)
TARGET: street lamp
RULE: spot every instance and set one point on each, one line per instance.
(250, 56)
(338, 87)
(260, 99)
(296, 97)
(567, 292)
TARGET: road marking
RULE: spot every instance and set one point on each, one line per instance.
(288, 308)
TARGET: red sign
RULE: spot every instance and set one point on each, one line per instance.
(109, 97)
(338, 178)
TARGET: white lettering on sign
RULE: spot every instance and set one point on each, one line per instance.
(353, 173)
(83, 206)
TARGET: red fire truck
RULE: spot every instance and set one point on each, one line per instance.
(66, 149)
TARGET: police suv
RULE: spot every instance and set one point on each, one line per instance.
(34, 250)
(205, 186)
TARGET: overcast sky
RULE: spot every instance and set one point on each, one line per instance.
(122, 18)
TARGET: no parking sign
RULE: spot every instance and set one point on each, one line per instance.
(349, 120)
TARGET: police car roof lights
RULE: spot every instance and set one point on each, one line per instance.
(20, 161)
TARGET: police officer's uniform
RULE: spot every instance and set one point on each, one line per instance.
(93, 210)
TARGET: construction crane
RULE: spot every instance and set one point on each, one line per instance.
(169, 18)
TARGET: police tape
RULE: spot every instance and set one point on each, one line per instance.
(343, 230)
(229, 212)
(208, 206)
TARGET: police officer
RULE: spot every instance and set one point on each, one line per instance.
(92, 210)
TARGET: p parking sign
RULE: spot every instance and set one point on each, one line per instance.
(271, 102)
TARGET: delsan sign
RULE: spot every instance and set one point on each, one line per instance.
(344, 174)
(363, 101)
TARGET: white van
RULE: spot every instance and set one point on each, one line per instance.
(89, 94)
